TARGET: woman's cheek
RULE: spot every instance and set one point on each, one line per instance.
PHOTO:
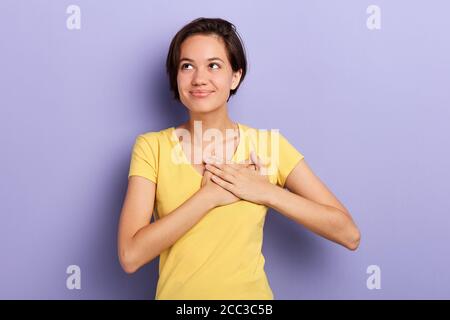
(223, 85)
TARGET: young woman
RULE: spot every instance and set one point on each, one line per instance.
(211, 198)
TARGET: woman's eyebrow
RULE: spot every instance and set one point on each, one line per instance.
(210, 59)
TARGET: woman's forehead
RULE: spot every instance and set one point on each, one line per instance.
(202, 47)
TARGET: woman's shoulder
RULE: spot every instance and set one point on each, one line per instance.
(259, 132)
(155, 134)
(246, 128)
(153, 139)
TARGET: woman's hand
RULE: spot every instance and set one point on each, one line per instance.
(245, 182)
(216, 193)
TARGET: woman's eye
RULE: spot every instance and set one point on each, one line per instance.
(186, 64)
(183, 66)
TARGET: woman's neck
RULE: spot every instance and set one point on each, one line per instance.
(199, 123)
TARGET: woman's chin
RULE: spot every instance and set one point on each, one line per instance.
(202, 107)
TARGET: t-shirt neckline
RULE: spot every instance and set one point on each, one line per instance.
(185, 159)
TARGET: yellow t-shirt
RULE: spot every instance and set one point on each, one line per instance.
(220, 257)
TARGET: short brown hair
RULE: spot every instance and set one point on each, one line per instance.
(207, 26)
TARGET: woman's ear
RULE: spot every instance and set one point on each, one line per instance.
(236, 78)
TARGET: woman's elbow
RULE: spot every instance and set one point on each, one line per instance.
(353, 239)
(128, 268)
(127, 263)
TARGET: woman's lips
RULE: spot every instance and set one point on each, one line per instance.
(201, 94)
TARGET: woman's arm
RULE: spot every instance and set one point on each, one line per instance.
(310, 203)
(314, 206)
(140, 241)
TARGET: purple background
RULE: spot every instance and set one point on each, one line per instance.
(369, 109)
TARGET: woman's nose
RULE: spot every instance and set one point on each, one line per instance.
(200, 77)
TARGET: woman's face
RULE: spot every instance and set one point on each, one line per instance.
(205, 76)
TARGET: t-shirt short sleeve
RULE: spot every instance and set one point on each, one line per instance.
(289, 157)
(144, 157)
